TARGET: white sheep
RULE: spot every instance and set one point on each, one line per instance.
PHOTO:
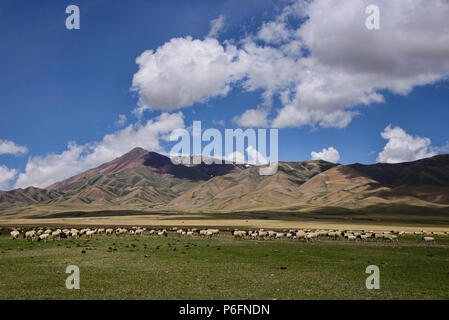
(239, 234)
(56, 234)
(43, 236)
(14, 234)
(30, 235)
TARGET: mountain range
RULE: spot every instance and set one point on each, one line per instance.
(149, 182)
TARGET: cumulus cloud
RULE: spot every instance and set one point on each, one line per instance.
(216, 26)
(46, 170)
(9, 147)
(330, 154)
(321, 69)
(6, 176)
(273, 32)
(184, 71)
(252, 118)
(349, 65)
(253, 157)
(403, 147)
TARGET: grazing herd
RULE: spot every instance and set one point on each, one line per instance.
(311, 235)
(45, 234)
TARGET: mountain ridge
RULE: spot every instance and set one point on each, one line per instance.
(146, 181)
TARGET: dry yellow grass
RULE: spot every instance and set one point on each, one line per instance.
(204, 221)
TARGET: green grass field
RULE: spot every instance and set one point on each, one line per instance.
(223, 268)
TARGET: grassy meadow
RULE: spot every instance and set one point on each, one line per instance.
(223, 268)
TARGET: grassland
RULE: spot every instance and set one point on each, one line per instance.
(223, 268)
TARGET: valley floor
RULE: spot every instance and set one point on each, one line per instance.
(223, 268)
(244, 221)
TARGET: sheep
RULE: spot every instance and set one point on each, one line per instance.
(48, 231)
(139, 232)
(378, 236)
(239, 234)
(90, 233)
(364, 236)
(179, 232)
(214, 231)
(353, 238)
(14, 234)
(189, 234)
(100, 231)
(279, 235)
(121, 231)
(300, 234)
(262, 234)
(271, 234)
(429, 239)
(109, 231)
(162, 233)
(43, 236)
(334, 234)
(152, 232)
(311, 236)
(30, 235)
(56, 234)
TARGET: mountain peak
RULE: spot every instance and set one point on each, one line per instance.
(136, 151)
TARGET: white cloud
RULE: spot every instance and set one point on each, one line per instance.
(121, 120)
(46, 170)
(236, 157)
(9, 147)
(349, 65)
(216, 26)
(330, 154)
(273, 32)
(6, 176)
(403, 147)
(252, 118)
(184, 71)
(255, 157)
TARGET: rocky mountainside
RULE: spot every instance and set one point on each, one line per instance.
(142, 180)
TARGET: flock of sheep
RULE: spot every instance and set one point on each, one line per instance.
(45, 234)
(310, 235)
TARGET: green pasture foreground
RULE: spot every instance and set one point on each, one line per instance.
(224, 268)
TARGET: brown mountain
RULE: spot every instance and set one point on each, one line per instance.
(148, 181)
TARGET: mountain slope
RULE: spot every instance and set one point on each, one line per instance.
(148, 181)
(247, 189)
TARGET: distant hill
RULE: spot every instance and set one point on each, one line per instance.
(148, 181)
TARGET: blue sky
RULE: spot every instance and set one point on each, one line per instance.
(59, 86)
